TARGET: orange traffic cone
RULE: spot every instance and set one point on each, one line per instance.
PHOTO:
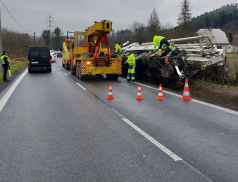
(139, 96)
(110, 96)
(186, 94)
(160, 93)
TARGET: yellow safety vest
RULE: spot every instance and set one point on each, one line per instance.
(157, 40)
(117, 48)
(131, 60)
(2, 58)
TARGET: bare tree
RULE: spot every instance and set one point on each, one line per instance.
(168, 31)
(153, 25)
(138, 30)
(113, 33)
(16, 44)
(39, 41)
(184, 28)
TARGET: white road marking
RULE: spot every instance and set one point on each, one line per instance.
(65, 74)
(152, 140)
(59, 68)
(117, 113)
(8, 94)
(193, 100)
(81, 86)
(56, 65)
(216, 107)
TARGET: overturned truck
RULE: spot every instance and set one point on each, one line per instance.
(172, 68)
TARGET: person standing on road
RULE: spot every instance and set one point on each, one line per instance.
(131, 68)
(160, 41)
(5, 65)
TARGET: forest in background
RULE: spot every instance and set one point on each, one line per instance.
(224, 18)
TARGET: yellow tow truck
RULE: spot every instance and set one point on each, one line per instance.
(65, 53)
(90, 53)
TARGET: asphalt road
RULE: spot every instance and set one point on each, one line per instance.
(55, 127)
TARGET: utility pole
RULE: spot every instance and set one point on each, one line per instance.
(50, 20)
(34, 39)
(0, 43)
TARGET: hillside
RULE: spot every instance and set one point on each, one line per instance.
(224, 18)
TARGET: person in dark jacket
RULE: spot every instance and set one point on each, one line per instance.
(5, 65)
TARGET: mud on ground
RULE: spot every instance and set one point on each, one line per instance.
(214, 94)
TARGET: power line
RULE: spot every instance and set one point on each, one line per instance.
(13, 17)
(23, 25)
(51, 20)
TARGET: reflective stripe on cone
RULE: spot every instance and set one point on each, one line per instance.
(186, 94)
(139, 94)
(110, 95)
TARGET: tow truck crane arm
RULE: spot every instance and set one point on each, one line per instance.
(99, 31)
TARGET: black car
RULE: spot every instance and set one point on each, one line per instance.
(39, 59)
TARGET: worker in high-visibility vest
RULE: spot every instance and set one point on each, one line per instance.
(118, 48)
(131, 60)
(160, 41)
(5, 65)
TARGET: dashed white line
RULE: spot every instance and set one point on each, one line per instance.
(81, 86)
(148, 137)
(65, 74)
(5, 98)
(59, 68)
(152, 140)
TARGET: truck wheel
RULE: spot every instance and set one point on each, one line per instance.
(66, 66)
(77, 70)
(112, 76)
(80, 76)
(115, 77)
(72, 70)
(109, 76)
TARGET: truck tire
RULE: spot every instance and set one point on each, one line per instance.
(72, 70)
(66, 66)
(112, 76)
(115, 76)
(77, 70)
(108, 76)
(80, 76)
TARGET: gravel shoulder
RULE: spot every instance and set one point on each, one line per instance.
(214, 94)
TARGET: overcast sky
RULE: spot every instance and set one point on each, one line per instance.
(77, 15)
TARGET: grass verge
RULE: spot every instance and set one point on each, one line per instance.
(235, 88)
(14, 68)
